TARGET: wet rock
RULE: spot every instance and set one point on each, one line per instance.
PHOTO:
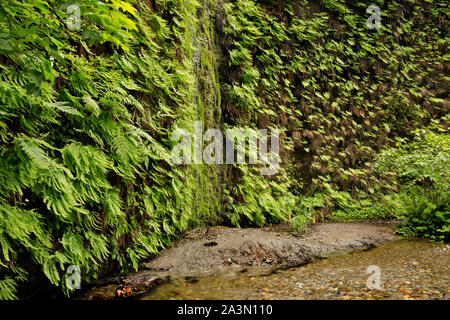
(138, 284)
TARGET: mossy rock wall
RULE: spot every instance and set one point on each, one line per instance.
(338, 90)
(86, 118)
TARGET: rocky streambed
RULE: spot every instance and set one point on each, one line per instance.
(407, 270)
(242, 263)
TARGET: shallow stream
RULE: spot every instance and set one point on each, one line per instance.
(404, 269)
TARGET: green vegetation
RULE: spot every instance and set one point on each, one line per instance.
(86, 116)
(418, 192)
(421, 170)
(340, 93)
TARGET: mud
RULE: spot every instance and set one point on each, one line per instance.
(218, 248)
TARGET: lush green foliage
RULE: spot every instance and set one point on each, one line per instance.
(418, 192)
(337, 90)
(85, 117)
(421, 170)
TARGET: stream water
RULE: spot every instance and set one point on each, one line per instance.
(411, 269)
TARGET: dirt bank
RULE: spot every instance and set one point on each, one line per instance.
(217, 248)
